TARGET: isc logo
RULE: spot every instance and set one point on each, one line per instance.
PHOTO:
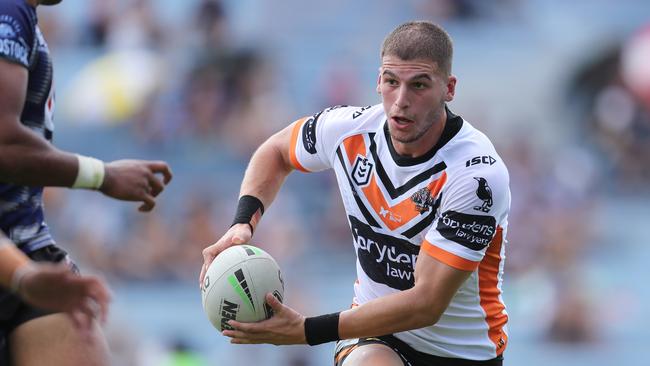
(486, 159)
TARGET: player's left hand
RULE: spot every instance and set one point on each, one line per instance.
(286, 326)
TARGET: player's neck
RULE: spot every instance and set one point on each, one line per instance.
(33, 3)
(425, 143)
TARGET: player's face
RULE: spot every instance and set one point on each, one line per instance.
(414, 95)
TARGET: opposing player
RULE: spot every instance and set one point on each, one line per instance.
(28, 335)
(427, 198)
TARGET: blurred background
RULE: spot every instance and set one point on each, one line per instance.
(561, 87)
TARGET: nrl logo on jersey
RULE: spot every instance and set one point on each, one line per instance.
(362, 170)
(422, 199)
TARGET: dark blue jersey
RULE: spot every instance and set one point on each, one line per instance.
(21, 42)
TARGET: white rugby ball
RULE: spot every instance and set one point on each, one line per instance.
(236, 283)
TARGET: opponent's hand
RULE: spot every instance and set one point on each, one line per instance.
(236, 235)
(57, 288)
(286, 326)
(135, 180)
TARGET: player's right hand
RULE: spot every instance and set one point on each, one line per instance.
(238, 234)
(57, 288)
(135, 180)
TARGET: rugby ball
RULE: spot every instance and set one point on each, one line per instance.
(236, 283)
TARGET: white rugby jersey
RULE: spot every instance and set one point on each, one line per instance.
(451, 203)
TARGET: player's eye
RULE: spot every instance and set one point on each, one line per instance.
(419, 85)
(390, 81)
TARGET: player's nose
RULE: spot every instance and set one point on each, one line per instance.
(402, 100)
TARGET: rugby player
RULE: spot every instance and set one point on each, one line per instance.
(28, 162)
(427, 199)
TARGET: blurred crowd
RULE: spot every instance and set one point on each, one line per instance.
(192, 83)
(612, 93)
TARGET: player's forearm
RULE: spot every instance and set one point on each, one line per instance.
(394, 313)
(30, 160)
(266, 171)
(11, 258)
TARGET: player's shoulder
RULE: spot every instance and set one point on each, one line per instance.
(16, 14)
(336, 123)
(471, 148)
(17, 30)
(353, 115)
(471, 153)
(478, 182)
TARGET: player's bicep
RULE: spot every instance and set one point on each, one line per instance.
(281, 142)
(13, 78)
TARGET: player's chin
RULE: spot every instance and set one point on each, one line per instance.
(49, 2)
(403, 137)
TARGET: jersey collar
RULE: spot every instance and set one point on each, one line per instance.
(452, 126)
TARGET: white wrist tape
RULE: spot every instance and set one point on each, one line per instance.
(19, 274)
(90, 174)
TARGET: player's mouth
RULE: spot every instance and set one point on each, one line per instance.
(401, 122)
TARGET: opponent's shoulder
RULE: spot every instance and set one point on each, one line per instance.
(15, 15)
(17, 29)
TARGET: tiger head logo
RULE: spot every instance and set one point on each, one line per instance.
(422, 199)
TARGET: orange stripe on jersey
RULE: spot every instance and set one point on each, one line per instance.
(295, 133)
(436, 185)
(354, 145)
(392, 216)
(488, 278)
(448, 258)
(403, 212)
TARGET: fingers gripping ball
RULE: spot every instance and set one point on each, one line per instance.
(235, 285)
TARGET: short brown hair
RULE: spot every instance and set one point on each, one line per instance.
(420, 40)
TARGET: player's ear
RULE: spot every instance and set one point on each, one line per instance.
(451, 88)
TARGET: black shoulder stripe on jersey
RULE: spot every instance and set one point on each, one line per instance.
(396, 192)
(424, 223)
(366, 214)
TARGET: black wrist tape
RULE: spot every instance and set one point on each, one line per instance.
(249, 211)
(322, 329)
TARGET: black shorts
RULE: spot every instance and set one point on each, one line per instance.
(14, 312)
(409, 356)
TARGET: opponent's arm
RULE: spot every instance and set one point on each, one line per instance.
(11, 259)
(52, 286)
(421, 306)
(265, 174)
(28, 159)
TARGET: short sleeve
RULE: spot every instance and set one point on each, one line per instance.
(474, 206)
(314, 139)
(16, 32)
